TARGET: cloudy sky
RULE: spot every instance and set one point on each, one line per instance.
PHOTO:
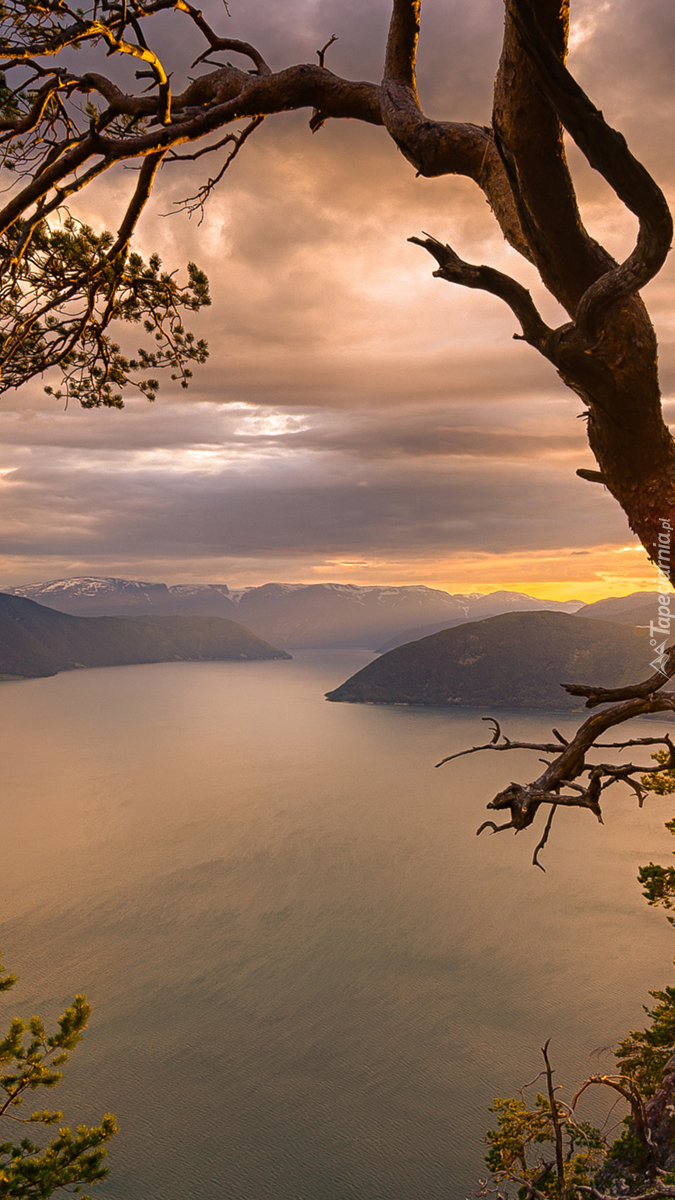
(358, 420)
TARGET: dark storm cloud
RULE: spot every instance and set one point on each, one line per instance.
(314, 503)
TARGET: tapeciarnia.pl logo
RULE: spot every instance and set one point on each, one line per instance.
(662, 626)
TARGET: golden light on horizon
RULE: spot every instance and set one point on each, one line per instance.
(565, 574)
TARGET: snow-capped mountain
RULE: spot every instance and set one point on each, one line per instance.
(106, 596)
(495, 603)
(287, 614)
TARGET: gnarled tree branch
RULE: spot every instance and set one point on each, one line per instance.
(607, 152)
(452, 268)
(569, 763)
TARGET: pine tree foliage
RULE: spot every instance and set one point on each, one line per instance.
(71, 1160)
(65, 297)
(521, 1147)
(640, 1162)
(659, 882)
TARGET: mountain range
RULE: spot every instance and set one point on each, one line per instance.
(37, 641)
(329, 615)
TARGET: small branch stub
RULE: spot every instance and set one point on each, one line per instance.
(321, 54)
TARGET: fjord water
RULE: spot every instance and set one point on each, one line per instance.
(309, 977)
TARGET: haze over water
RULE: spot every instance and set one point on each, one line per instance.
(309, 977)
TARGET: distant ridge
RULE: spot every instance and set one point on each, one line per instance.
(491, 605)
(515, 660)
(330, 615)
(639, 608)
(37, 641)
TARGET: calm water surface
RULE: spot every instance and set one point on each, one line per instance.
(309, 977)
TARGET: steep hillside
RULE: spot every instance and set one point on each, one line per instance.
(516, 660)
(36, 641)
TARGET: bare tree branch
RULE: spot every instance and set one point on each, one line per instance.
(195, 203)
(401, 54)
(146, 178)
(658, 1192)
(557, 1127)
(599, 695)
(529, 142)
(487, 279)
(543, 839)
(626, 1088)
(523, 801)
